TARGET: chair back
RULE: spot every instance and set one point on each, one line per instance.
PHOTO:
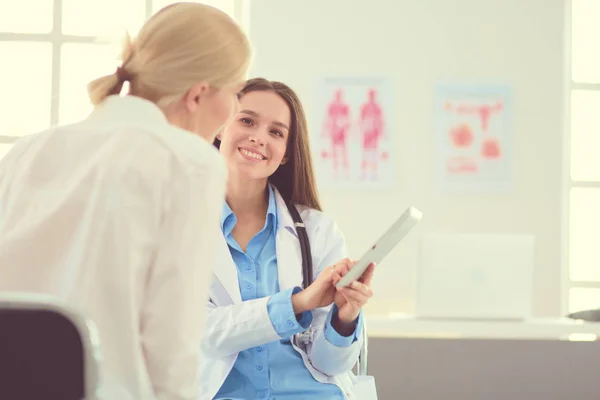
(362, 366)
(47, 350)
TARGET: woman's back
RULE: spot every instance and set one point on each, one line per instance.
(82, 217)
(119, 214)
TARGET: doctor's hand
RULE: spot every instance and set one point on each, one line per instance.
(322, 292)
(351, 299)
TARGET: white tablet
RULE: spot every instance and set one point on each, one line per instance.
(384, 245)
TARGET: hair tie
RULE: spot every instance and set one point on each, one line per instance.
(123, 75)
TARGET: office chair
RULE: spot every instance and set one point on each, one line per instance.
(586, 315)
(362, 365)
(47, 351)
(364, 385)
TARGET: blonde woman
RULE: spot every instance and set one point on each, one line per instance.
(117, 215)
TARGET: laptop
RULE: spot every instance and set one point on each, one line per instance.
(475, 276)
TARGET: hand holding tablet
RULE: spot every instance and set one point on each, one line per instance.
(403, 225)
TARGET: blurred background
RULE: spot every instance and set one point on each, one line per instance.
(543, 50)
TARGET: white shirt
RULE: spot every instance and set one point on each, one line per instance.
(117, 216)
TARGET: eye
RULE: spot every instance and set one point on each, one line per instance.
(277, 133)
(247, 121)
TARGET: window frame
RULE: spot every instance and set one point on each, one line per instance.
(567, 182)
(56, 38)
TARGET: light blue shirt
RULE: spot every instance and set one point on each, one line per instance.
(273, 371)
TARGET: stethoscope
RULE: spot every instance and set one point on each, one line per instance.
(307, 267)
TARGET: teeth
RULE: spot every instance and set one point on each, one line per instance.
(251, 154)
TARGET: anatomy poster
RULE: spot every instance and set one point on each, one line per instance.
(352, 133)
(474, 137)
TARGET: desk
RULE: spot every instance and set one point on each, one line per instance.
(483, 360)
(399, 325)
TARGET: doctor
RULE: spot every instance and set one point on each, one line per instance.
(254, 347)
(115, 215)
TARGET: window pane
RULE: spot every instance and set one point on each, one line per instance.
(585, 33)
(585, 135)
(17, 16)
(583, 299)
(26, 83)
(584, 235)
(81, 63)
(108, 18)
(224, 5)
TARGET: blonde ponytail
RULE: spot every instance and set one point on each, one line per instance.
(181, 45)
(101, 88)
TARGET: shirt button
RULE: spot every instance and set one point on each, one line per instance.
(249, 286)
(262, 394)
(248, 267)
(259, 367)
(259, 349)
(290, 323)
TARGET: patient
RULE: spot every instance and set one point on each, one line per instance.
(117, 215)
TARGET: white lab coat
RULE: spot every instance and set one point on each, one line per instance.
(233, 325)
(116, 216)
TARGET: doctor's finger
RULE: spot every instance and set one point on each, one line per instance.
(342, 269)
(335, 276)
(344, 261)
(355, 297)
(367, 276)
(349, 264)
(362, 288)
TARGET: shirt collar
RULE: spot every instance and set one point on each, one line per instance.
(272, 209)
(228, 219)
(126, 109)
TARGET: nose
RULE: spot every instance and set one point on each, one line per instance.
(257, 139)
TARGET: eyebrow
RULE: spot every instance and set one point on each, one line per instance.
(256, 115)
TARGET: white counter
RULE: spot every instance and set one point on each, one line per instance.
(400, 325)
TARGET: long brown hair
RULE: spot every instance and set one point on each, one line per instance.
(295, 180)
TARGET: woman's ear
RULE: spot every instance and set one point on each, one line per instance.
(195, 95)
(284, 160)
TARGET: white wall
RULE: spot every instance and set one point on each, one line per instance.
(417, 43)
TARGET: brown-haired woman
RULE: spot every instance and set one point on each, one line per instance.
(266, 337)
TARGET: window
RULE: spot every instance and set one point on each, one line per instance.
(582, 200)
(56, 50)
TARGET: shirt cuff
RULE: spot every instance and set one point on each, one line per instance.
(334, 337)
(282, 316)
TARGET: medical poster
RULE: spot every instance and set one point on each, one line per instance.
(474, 137)
(352, 133)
